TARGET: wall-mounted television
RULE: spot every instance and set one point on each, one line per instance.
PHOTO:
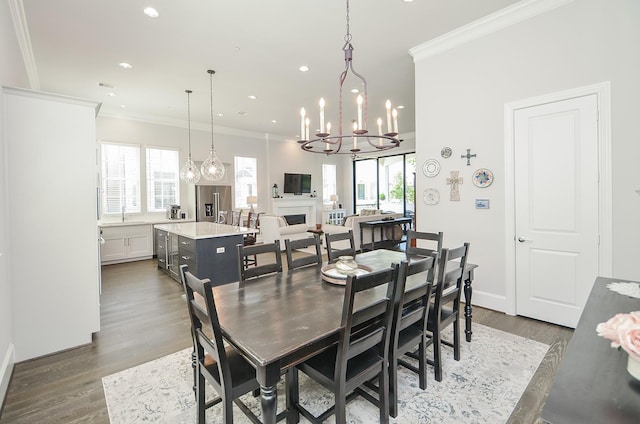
(297, 183)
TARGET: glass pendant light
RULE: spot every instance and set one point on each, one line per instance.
(189, 173)
(212, 169)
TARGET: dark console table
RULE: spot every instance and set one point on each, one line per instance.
(382, 224)
(592, 384)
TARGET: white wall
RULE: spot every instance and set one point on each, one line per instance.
(12, 72)
(460, 98)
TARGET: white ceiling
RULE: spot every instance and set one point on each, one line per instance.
(255, 47)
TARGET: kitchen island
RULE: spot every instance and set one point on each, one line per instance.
(209, 249)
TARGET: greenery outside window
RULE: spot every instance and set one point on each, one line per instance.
(385, 183)
(163, 183)
(120, 178)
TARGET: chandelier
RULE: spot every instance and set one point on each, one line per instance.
(358, 139)
(212, 169)
(189, 173)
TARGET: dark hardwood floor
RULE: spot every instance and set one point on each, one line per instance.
(144, 318)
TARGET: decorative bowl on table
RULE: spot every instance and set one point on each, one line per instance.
(337, 273)
(346, 265)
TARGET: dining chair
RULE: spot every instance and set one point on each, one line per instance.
(339, 242)
(230, 375)
(271, 261)
(253, 220)
(236, 218)
(445, 310)
(222, 217)
(434, 241)
(306, 260)
(410, 328)
(362, 351)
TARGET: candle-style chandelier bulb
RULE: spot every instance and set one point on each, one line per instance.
(212, 168)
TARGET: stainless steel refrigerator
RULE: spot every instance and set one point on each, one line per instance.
(211, 200)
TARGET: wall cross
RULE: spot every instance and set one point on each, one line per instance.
(454, 181)
(468, 156)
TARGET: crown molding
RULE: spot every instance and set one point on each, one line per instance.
(511, 15)
(16, 91)
(24, 42)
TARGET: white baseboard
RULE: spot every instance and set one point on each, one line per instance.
(488, 300)
(5, 372)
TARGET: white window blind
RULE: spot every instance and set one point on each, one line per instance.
(163, 184)
(246, 180)
(120, 178)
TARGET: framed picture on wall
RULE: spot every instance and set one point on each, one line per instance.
(482, 203)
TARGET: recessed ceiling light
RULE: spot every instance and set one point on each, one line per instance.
(355, 90)
(408, 1)
(274, 121)
(151, 12)
(112, 94)
(400, 107)
(122, 106)
(125, 65)
(252, 97)
(220, 114)
(303, 68)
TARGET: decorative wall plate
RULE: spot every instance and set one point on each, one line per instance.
(431, 168)
(431, 196)
(445, 152)
(482, 177)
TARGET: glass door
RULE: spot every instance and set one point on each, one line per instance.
(385, 183)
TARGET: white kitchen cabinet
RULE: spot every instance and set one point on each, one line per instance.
(126, 243)
(51, 198)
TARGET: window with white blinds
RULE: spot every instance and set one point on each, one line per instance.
(246, 180)
(163, 183)
(120, 178)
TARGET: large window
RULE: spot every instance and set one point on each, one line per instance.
(329, 182)
(366, 184)
(246, 180)
(385, 183)
(163, 183)
(120, 178)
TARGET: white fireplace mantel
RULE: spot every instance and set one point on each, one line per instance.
(296, 205)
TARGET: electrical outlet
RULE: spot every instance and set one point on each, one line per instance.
(220, 250)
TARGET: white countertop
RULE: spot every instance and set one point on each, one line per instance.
(150, 221)
(202, 230)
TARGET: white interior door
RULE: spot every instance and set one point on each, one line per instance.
(556, 204)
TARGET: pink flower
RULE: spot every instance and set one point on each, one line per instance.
(630, 341)
(617, 326)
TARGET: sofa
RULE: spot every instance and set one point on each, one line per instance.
(352, 222)
(275, 228)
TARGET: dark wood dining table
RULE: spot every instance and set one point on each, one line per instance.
(280, 320)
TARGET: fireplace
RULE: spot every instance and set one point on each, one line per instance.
(296, 205)
(295, 219)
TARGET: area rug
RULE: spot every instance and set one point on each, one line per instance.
(483, 387)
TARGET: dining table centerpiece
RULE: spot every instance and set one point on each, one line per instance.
(623, 330)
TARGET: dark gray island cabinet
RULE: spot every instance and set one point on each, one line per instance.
(209, 249)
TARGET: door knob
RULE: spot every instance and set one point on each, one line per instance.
(522, 239)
